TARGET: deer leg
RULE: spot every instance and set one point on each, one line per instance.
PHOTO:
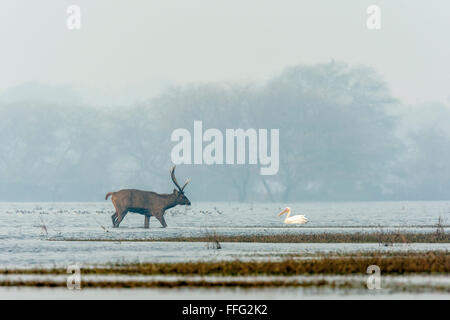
(161, 219)
(163, 222)
(114, 218)
(116, 214)
(147, 222)
(121, 216)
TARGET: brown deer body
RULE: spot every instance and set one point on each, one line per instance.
(147, 203)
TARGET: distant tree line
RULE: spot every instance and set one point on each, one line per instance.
(342, 137)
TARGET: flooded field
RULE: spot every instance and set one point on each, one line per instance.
(34, 234)
(48, 253)
(393, 287)
(212, 294)
(50, 235)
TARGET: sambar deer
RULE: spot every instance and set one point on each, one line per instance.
(147, 203)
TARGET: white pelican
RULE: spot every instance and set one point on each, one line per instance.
(299, 219)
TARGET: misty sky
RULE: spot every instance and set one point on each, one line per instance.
(131, 50)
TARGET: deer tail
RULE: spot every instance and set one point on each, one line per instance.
(108, 194)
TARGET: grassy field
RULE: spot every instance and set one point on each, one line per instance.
(399, 263)
(386, 238)
(391, 264)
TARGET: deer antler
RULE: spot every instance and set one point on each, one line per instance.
(172, 175)
(185, 184)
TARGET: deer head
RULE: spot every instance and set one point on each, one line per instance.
(180, 197)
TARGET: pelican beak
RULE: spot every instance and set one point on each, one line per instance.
(283, 212)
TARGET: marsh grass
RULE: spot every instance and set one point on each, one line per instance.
(440, 232)
(383, 238)
(213, 241)
(358, 237)
(319, 284)
(43, 226)
(188, 283)
(401, 263)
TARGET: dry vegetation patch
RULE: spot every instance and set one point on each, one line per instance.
(399, 263)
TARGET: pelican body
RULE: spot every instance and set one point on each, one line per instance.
(298, 219)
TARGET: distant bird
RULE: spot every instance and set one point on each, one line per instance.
(299, 219)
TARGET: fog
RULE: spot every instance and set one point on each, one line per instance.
(343, 136)
(362, 115)
(128, 51)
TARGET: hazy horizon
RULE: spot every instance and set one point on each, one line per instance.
(363, 114)
(131, 51)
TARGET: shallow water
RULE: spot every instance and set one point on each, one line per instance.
(388, 281)
(26, 228)
(214, 294)
(62, 253)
